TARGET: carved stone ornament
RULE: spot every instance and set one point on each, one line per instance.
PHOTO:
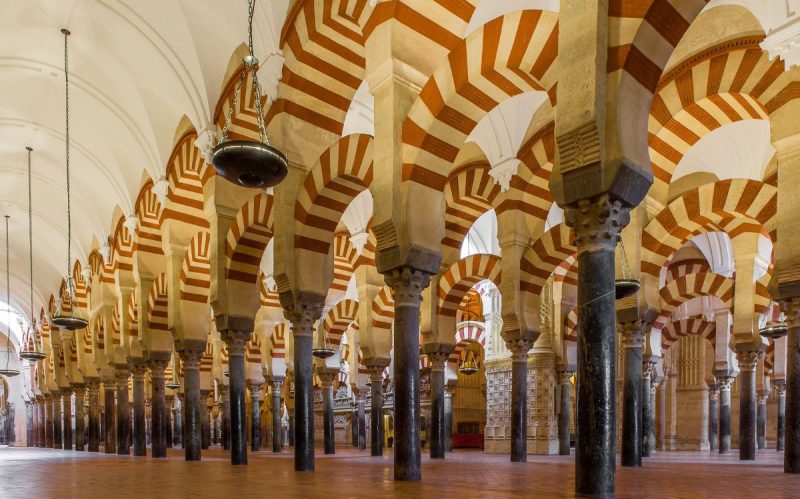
(579, 147)
(408, 285)
(597, 222)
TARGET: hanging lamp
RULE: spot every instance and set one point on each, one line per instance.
(7, 369)
(469, 366)
(30, 350)
(627, 285)
(323, 350)
(62, 320)
(248, 163)
(774, 330)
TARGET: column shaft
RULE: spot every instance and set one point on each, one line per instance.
(437, 439)
(94, 417)
(255, 416)
(159, 417)
(276, 415)
(633, 389)
(66, 397)
(645, 412)
(123, 414)
(713, 417)
(303, 404)
(139, 430)
(57, 414)
(327, 416)
(362, 422)
(761, 422)
(519, 400)
(205, 421)
(781, 419)
(791, 455)
(192, 426)
(354, 426)
(238, 409)
(108, 423)
(725, 415)
(80, 426)
(747, 405)
(563, 415)
(376, 413)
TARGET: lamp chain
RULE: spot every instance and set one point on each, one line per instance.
(70, 289)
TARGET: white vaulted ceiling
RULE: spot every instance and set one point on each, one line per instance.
(136, 68)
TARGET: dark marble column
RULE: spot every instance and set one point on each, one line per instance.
(563, 413)
(66, 399)
(650, 436)
(288, 439)
(159, 413)
(791, 454)
(42, 429)
(93, 432)
(448, 415)
(48, 424)
(139, 437)
(438, 360)
(376, 410)
(647, 409)
(761, 421)
(635, 384)
(58, 437)
(79, 390)
(29, 442)
(713, 416)
(519, 400)
(277, 385)
(597, 224)
(109, 411)
(205, 420)
(123, 413)
(780, 387)
(407, 284)
(327, 376)
(747, 404)
(354, 425)
(725, 414)
(34, 424)
(303, 316)
(236, 341)
(255, 416)
(362, 421)
(661, 425)
(177, 422)
(191, 409)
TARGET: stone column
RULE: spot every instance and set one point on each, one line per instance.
(780, 388)
(791, 455)
(362, 420)
(713, 416)
(407, 284)
(661, 426)
(725, 413)
(205, 421)
(761, 421)
(110, 441)
(376, 411)
(255, 426)
(646, 426)
(48, 423)
(139, 435)
(326, 377)
(123, 413)
(438, 359)
(277, 385)
(192, 402)
(177, 421)
(650, 436)
(303, 317)
(519, 400)
(747, 404)
(58, 440)
(94, 415)
(79, 389)
(159, 416)
(636, 383)
(169, 417)
(237, 397)
(29, 442)
(354, 425)
(564, 413)
(42, 429)
(66, 397)
(448, 415)
(597, 224)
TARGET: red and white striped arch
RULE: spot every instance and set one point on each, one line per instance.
(507, 56)
(383, 311)
(471, 331)
(461, 276)
(726, 83)
(133, 316)
(157, 304)
(80, 286)
(323, 46)
(571, 326)
(686, 267)
(122, 248)
(677, 329)
(253, 352)
(186, 174)
(342, 172)
(339, 319)
(543, 257)
(344, 260)
(148, 211)
(691, 286)
(248, 237)
(732, 206)
(277, 341)
(195, 278)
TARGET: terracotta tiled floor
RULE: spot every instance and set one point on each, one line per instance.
(44, 473)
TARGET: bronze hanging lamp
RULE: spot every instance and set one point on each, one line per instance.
(469, 366)
(248, 163)
(30, 349)
(323, 350)
(7, 369)
(627, 285)
(774, 330)
(61, 319)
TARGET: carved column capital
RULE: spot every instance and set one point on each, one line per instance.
(93, 387)
(327, 377)
(139, 371)
(277, 384)
(725, 383)
(762, 397)
(713, 391)
(255, 390)
(438, 359)
(748, 360)
(564, 377)
(597, 222)
(157, 368)
(121, 376)
(780, 389)
(407, 284)
(519, 350)
(376, 372)
(236, 341)
(191, 358)
(303, 316)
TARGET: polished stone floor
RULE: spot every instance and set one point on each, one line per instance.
(45, 473)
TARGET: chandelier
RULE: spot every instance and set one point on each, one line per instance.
(469, 366)
(248, 163)
(8, 369)
(61, 319)
(627, 285)
(30, 350)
